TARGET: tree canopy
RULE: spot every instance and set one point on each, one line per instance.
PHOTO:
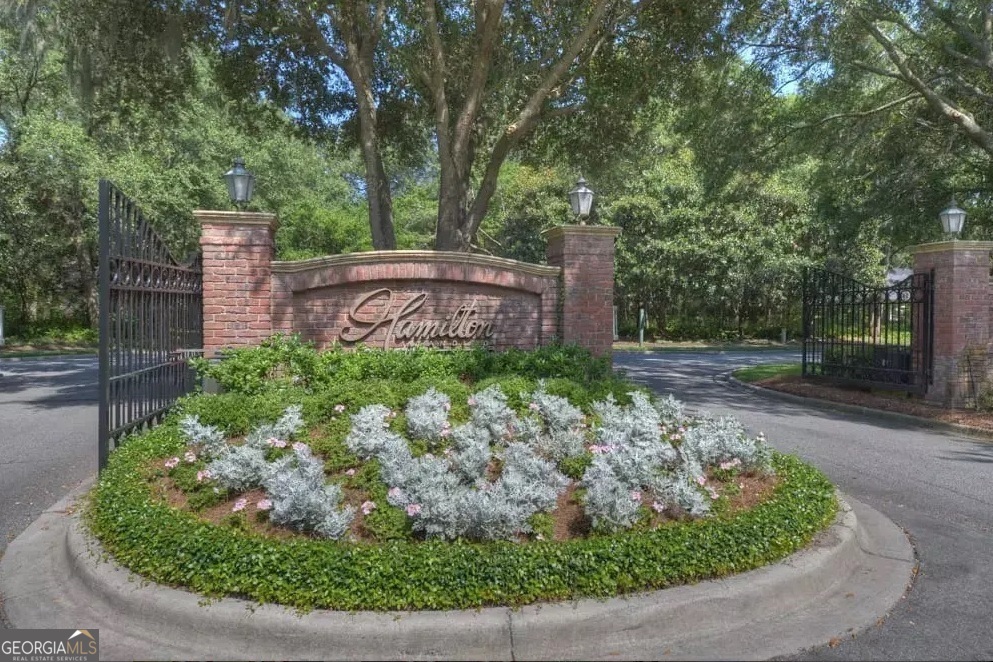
(734, 142)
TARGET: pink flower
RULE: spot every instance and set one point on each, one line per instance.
(263, 504)
(701, 480)
(276, 443)
(534, 406)
(658, 507)
(713, 493)
(472, 402)
(446, 432)
(204, 475)
(239, 505)
(339, 408)
(394, 493)
(300, 447)
(368, 507)
(350, 472)
(171, 462)
(635, 495)
(190, 457)
(448, 451)
(414, 509)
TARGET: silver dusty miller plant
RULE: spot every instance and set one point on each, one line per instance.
(284, 429)
(633, 458)
(302, 500)
(209, 438)
(442, 505)
(450, 497)
(713, 441)
(556, 429)
(295, 483)
(427, 416)
(239, 468)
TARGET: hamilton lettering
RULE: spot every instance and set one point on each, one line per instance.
(367, 318)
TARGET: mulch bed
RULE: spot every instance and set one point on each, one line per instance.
(895, 402)
(569, 517)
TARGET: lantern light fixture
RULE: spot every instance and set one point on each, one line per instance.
(952, 219)
(581, 199)
(241, 183)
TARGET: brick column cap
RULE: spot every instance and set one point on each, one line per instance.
(212, 217)
(581, 231)
(953, 246)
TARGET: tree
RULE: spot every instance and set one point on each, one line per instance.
(488, 73)
(300, 56)
(939, 53)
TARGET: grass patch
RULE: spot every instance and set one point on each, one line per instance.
(757, 373)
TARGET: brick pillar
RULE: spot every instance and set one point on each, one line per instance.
(586, 255)
(238, 249)
(961, 317)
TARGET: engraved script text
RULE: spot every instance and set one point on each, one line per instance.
(461, 325)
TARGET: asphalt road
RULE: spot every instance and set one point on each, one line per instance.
(48, 435)
(938, 486)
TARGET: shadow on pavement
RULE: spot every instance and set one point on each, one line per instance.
(48, 382)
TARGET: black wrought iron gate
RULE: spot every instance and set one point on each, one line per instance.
(873, 336)
(151, 321)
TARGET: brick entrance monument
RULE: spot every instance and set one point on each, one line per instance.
(392, 299)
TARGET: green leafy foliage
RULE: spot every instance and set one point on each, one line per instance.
(284, 363)
(172, 547)
(175, 547)
(574, 467)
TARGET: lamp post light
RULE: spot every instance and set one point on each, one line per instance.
(952, 219)
(581, 199)
(240, 183)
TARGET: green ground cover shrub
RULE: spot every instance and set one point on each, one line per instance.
(392, 566)
(285, 362)
(177, 548)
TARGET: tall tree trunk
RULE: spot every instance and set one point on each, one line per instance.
(376, 182)
(360, 30)
(460, 213)
(451, 215)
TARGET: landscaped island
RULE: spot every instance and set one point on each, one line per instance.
(444, 479)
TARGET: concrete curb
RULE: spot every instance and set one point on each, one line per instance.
(975, 433)
(53, 575)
